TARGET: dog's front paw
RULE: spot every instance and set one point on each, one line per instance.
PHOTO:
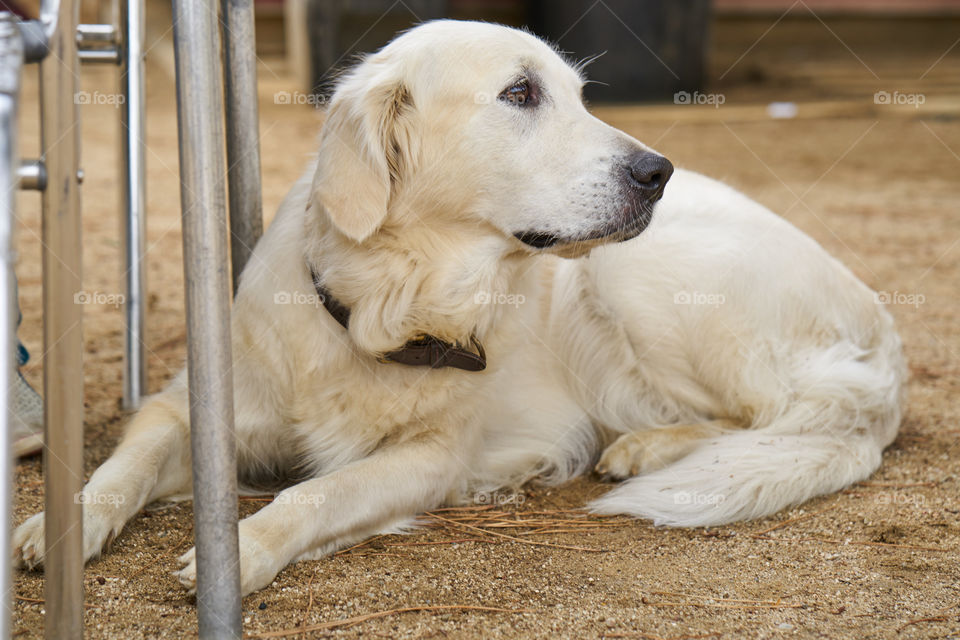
(100, 526)
(187, 575)
(257, 568)
(28, 543)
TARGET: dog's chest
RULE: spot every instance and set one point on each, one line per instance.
(341, 417)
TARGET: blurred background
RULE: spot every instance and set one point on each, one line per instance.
(648, 50)
(651, 49)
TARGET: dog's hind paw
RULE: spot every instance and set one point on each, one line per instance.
(635, 453)
(644, 451)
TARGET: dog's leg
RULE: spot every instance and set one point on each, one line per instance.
(644, 451)
(152, 461)
(355, 501)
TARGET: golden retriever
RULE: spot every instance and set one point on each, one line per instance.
(568, 293)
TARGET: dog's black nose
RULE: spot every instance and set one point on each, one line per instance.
(649, 172)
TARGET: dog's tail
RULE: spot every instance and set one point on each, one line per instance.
(820, 441)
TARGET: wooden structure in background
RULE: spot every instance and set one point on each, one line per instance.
(916, 7)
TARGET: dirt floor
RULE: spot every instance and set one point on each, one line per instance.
(877, 185)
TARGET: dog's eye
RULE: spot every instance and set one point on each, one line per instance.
(520, 94)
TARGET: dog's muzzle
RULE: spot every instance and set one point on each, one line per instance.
(644, 176)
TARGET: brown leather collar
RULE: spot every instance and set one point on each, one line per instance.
(427, 351)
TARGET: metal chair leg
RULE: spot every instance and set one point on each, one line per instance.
(199, 104)
(133, 172)
(243, 140)
(11, 60)
(62, 337)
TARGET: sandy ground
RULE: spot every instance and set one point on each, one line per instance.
(877, 186)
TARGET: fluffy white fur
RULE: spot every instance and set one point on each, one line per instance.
(721, 360)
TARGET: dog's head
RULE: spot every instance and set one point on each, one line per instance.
(465, 122)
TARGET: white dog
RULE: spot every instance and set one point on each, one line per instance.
(731, 365)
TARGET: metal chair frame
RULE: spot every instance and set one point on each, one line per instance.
(58, 43)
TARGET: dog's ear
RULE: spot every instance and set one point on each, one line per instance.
(366, 143)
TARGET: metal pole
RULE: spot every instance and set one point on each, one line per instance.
(133, 198)
(11, 63)
(205, 257)
(62, 337)
(243, 139)
(98, 43)
(96, 34)
(32, 175)
(110, 55)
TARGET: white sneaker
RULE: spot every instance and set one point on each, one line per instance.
(27, 418)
